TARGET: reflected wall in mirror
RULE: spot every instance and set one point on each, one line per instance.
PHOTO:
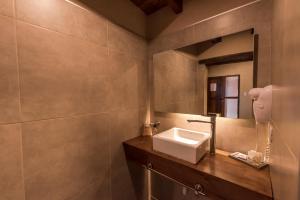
(210, 77)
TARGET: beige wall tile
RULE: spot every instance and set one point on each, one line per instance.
(121, 12)
(11, 179)
(63, 156)
(94, 191)
(175, 40)
(60, 75)
(143, 77)
(124, 41)
(66, 73)
(126, 80)
(285, 71)
(128, 180)
(64, 17)
(7, 8)
(53, 14)
(90, 26)
(165, 21)
(285, 168)
(9, 85)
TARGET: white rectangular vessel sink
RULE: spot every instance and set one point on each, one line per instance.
(183, 144)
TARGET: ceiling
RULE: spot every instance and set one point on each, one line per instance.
(151, 6)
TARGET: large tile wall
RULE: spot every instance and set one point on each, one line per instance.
(73, 87)
(122, 12)
(165, 21)
(286, 97)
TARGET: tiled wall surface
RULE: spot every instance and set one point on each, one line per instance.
(122, 12)
(73, 86)
(165, 21)
(286, 110)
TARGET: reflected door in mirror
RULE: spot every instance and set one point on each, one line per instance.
(223, 96)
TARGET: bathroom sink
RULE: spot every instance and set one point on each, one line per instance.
(183, 144)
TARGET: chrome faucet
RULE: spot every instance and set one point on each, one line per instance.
(154, 126)
(212, 121)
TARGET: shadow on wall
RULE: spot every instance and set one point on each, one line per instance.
(122, 12)
(159, 21)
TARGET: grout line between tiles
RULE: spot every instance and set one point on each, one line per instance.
(22, 161)
(4, 15)
(212, 17)
(7, 16)
(107, 38)
(75, 116)
(61, 33)
(19, 90)
(83, 39)
(110, 159)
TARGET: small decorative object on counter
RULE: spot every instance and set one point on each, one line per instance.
(245, 159)
(151, 128)
(147, 129)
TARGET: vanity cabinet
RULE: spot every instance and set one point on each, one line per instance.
(217, 177)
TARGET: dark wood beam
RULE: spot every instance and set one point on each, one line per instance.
(232, 58)
(151, 6)
(255, 60)
(176, 5)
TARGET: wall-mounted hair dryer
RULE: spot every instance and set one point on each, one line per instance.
(262, 104)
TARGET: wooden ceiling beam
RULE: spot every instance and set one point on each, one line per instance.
(232, 58)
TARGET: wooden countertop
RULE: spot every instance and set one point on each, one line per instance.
(221, 176)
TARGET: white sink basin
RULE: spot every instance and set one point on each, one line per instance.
(183, 144)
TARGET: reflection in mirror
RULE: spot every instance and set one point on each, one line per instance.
(210, 77)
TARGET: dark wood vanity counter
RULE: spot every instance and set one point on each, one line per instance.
(220, 176)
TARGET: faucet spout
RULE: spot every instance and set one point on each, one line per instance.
(212, 121)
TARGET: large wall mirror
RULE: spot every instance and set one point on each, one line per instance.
(209, 77)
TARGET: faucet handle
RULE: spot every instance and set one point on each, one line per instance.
(155, 124)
